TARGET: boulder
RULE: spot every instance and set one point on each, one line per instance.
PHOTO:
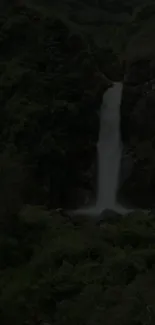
(110, 216)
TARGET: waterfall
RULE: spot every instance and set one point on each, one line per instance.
(109, 154)
(109, 148)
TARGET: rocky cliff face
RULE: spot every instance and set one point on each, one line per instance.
(51, 88)
(138, 134)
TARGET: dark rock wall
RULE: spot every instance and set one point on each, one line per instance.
(51, 90)
(138, 134)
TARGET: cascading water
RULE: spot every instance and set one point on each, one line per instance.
(109, 148)
(109, 154)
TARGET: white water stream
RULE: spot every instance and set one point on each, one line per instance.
(109, 148)
(109, 153)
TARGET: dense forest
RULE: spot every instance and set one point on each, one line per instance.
(56, 62)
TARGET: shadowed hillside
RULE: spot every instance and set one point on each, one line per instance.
(56, 62)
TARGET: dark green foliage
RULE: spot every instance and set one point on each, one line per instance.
(52, 268)
(65, 274)
(49, 95)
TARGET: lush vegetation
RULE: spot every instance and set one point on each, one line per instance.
(54, 268)
(77, 272)
(49, 82)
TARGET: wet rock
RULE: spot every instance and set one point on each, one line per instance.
(127, 164)
(109, 64)
(138, 72)
(75, 43)
(137, 181)
(109, 216)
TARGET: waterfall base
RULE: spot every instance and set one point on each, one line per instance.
(97, 212)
